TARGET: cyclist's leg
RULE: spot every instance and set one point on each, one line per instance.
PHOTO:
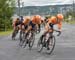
(43, 35)
(21, 31)
(33, 34)
(24, 37)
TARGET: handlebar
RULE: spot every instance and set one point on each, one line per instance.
(59, 32)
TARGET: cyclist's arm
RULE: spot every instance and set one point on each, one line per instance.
(29, 28)
(46, 27)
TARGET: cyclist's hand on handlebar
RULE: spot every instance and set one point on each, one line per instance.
(59, 33)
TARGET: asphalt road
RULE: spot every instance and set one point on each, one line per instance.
(64, 49)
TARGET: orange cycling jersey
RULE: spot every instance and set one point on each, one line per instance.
(26, 20)
(54, 20)
(36, 19)
(57, 19)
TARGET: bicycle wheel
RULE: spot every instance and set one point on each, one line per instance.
(14, 34)
(40, 44)
(50, 45)
(22, 38)
(27, 38)
(25, 41)
(31, 40)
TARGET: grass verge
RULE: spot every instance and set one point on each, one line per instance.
(5, 33)
(72, 22)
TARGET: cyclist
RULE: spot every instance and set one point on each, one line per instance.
(39, 22)
(34, 21)
(25, 24)
(16, 25)
(24, 27)
(29, 25)
(54, 20)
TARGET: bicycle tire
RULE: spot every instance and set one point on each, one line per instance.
(51, 50)
(13, 35)
(40, 43)
(31, 41)
(25, 40)
(25, 43)
(22, 38)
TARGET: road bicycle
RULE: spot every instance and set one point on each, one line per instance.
(47, 41)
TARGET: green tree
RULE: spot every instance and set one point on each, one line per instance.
(70, 13)
(6, 11)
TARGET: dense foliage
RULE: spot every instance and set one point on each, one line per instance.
(6, 11)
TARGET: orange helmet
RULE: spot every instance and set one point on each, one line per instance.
(60, 16)
(36, 19)
(53, 19)
(26, 20)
